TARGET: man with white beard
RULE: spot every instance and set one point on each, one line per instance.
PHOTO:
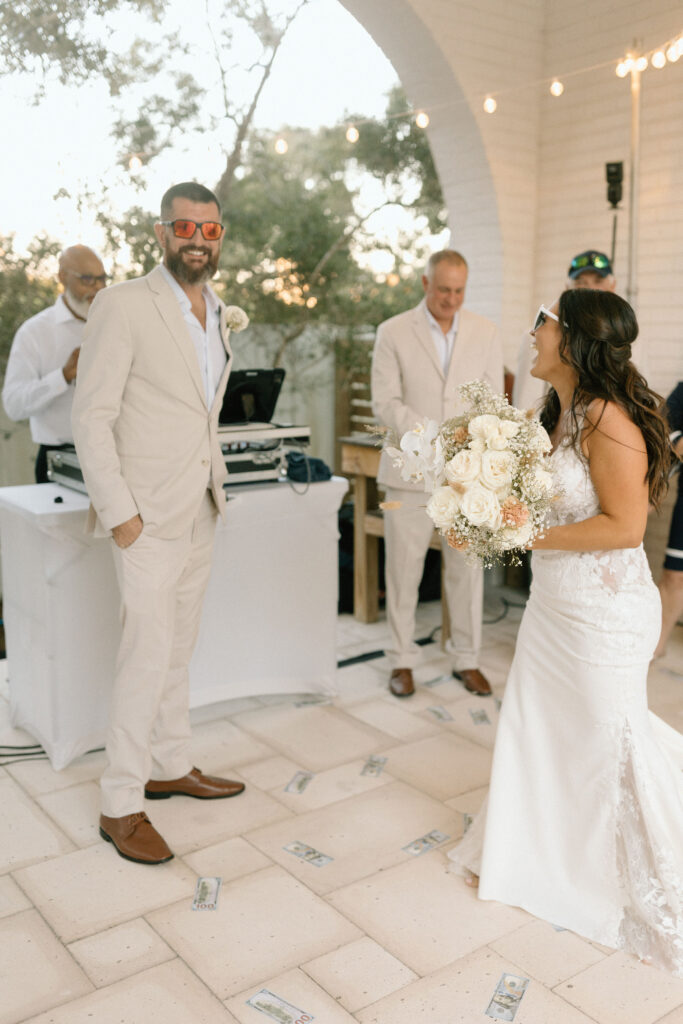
(43, 360)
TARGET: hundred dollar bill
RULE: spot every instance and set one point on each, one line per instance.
(279, 1009)
(441, 714)
(425, 843)
(312, 698)
(558, 928)
(307, 853)
(507, 997)
(479, 716)
(206, 894)
(374, 765)
(467, 820)
(298, 782)
(448, 678)
(498, 702)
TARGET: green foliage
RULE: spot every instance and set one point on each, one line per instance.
(299, 231)
(36, 36)
(28, 285)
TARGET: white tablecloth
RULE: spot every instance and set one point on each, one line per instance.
(268, 623)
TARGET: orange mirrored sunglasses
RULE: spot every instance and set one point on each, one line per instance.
(211, 229)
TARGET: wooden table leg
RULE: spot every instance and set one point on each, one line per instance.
(365, 559)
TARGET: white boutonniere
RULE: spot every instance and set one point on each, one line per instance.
(236, 319)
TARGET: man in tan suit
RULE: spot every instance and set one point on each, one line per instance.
(420, 359)
(152, 372)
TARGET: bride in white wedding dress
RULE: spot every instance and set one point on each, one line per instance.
(583, 825)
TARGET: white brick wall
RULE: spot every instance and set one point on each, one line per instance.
(525, 187)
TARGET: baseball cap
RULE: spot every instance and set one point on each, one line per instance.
(590, 260)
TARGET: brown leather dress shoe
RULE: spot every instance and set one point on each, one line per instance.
(135, 838)
(475, 681)
(203, 787)
(401, 682)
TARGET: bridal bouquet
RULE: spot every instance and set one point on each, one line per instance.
(488, 473)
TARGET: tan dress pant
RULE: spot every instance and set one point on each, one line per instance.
(407, 533)
(162, 585)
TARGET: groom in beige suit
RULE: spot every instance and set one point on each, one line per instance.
(152, 372)
(419, 360)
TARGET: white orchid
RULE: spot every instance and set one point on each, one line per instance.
(422, 455)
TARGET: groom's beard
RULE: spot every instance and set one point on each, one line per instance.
(192, 275)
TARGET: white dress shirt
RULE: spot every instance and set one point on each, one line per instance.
(207, 341)
(35, 388)
(443, 342)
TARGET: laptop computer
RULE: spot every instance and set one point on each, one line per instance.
(250, 397)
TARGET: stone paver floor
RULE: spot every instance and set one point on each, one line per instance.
(375, 935)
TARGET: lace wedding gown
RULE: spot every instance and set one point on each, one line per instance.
(583, 825)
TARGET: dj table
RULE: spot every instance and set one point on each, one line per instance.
(268, 622)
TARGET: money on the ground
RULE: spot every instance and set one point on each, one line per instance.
(425, 843)
(559, 928)
(308, 853)
(498, 702)
(298, 782)
(448, 678)
(312, 698)
(279, 1009)
(206, 894)
(440, 713)
(479, 716)
(374, 765)
(467, 820)
(507, 997)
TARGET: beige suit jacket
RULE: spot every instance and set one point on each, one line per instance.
(408, 382)
(146, 441)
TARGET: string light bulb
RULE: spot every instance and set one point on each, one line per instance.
(641, 64)
(623, 67)
(352, 133)
(658, 59)
(556, 88)
(673, 52)
(281, 146)
(135, 163)
(490, 105)
(422, 119)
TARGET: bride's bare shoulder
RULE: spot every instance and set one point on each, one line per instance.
(610, 421)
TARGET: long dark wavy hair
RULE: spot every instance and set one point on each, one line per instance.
(598, 329)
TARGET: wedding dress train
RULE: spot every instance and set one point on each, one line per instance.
(583, 824)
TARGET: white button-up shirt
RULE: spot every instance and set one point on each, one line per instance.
(207, 341)
(35, 388)
(443, 342)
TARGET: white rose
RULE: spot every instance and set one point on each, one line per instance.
(516, 536)
(442, 507)
(496, 469)
(464, 466)
(478, 445)
(483, 426)
(497, 441)
(543, 480)
(236, 318)
(539, 440)
(481, 507)
(508, 428)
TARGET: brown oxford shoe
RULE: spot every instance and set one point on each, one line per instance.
(203, 787)
(475, 681)
(401, 682)
(135, 838)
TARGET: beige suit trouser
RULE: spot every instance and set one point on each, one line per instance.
(162, 585)
(407, 533)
